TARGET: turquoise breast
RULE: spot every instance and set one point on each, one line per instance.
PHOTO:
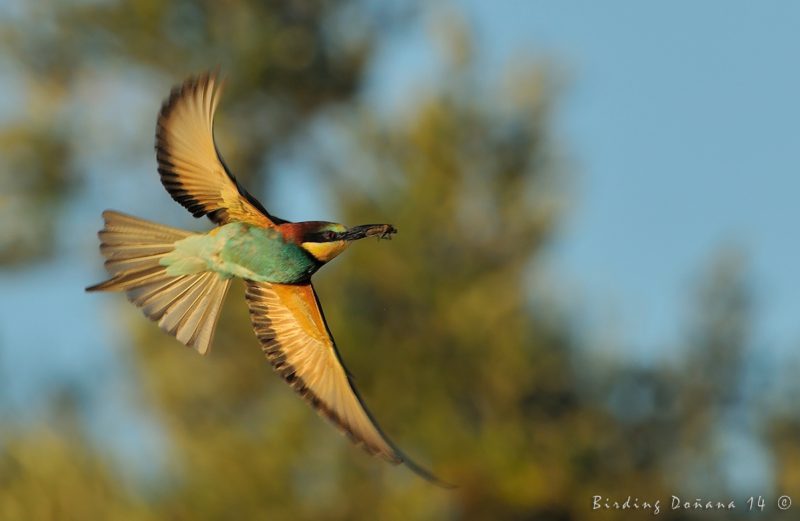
(240, 250)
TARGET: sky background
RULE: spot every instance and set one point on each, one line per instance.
(683, 123)
(680, 124)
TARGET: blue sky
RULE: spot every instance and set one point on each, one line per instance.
(683, 121)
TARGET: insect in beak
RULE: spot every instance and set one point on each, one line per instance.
(382, 231)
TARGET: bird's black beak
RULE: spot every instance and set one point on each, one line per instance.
(382, 231)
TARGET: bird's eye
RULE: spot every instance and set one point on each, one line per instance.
(328, 236)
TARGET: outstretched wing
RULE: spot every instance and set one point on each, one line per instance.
(288, 322)
(190, 165)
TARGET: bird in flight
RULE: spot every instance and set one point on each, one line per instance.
(179, 278)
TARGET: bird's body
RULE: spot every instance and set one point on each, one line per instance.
(241, 250)
(179, 279)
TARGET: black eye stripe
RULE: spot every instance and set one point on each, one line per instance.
(326, 236)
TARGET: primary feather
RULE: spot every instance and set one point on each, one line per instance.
(191, 168)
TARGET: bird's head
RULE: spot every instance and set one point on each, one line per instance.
(325, 240)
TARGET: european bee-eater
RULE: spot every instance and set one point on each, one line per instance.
(179, 278)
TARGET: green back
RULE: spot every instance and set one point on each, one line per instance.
(240, 250)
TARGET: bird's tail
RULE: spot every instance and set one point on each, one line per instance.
(185, 306)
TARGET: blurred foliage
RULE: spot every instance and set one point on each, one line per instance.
(473, 378)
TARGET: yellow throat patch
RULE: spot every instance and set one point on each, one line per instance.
(325, 251)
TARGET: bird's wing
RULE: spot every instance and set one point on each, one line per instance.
(288, 322)
(190, 165)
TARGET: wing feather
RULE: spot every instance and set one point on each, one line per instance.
(294, 338)
(191, 168)
(289, 323)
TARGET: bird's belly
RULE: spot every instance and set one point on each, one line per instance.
(239, 250)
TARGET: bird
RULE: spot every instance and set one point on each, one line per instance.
(179, 279)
